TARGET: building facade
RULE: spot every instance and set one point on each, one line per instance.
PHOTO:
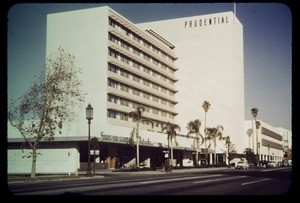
(169, 67)
(271, 144)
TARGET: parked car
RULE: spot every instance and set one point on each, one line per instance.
(272, 164)
(242, 165)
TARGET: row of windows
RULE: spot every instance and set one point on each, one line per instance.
(135, 37)
(137, 92)
(138, 79)
(121, 116)
(139, 53)
(128, 103)
(137, 65)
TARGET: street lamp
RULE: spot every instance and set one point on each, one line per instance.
(89, 117)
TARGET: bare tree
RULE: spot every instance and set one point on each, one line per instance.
(48, 103)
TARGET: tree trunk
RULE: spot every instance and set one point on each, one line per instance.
(205, 139)
(137, 146)
(33, 165)
(215, 153)
(171, 152)
(197, 151)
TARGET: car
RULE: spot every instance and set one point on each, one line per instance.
(242, 165)
(272, 164)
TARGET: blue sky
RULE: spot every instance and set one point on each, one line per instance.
(267, 47)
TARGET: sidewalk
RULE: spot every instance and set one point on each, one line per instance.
(100, 174)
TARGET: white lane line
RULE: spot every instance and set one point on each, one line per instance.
(177, 179)
(255, 181)
(218, 179)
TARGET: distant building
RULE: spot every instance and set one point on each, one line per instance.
(270, 143)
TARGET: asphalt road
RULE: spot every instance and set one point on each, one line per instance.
(277, 181)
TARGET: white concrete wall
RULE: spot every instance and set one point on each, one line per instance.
(64, 161)
(84, 34)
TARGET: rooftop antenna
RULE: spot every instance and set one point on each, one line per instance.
(234, 11)
(234, 8)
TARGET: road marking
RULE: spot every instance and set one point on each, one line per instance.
(255, 181)
(177, 179)
(228, 178)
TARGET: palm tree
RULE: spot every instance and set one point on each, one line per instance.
(205, 106)
(194, 128)
(171, 132)
(138, 118)
(254, 112)
(213, 134)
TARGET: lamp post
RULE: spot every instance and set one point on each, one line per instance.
(89, 117)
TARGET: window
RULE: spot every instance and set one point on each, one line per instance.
(124, 59)
(135, 78)
(164, 114)
(125, 46)
(146, 70)
(155, 86)
(124, 88)
(147, 109)
(146, 57)
(147, 96)
(112, 98)
(124, 102)
(111, 114)
(155, 98)
(124, 73)
(123, 117)
(136, 92)
(154, 111)
(112, 53)
(112, 83)
(136, 52)
(112, 68)
(145, 82)
(136, 38)
(136, 65)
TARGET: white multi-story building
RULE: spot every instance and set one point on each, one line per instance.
(211, 68)
(170, 67)
(268, 142)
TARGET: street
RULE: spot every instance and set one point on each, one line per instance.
(224, 181)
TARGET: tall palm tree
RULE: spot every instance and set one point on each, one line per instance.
(138, 118)
(254, 112)
(213, 134)
(205, 105)
(171, 135)
(194, 128)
